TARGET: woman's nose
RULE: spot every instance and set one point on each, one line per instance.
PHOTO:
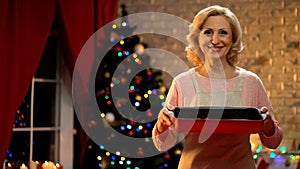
(215, 39)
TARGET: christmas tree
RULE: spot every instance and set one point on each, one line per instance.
(144, 90)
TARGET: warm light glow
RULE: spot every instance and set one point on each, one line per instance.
(146, 96)
(57, 165)
(124, 24)
(134, 55)
(23, 166)
(138, 98)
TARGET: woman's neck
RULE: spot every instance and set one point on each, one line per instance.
(217, 70)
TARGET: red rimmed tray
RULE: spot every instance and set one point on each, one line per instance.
(226, 120)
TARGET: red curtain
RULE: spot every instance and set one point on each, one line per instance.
(81, 19)
(24, 29)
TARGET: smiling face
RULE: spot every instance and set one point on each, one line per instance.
(215, 38)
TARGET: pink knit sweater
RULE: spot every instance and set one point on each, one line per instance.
(219, 151)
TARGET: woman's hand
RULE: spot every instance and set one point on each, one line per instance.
(268, 124)
(165, 120)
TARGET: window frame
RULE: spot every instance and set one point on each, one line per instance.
(64, 113)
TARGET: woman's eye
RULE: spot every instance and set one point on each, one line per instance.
(223, 32)
(207, 32)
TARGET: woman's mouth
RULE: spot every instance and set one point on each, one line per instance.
(215, 48)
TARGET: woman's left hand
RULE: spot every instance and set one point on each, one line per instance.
(268, 124)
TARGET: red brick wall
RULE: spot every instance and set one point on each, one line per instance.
(271, 36)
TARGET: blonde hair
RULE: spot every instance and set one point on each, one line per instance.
(193, 50)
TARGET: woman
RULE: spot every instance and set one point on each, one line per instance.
(214, 46)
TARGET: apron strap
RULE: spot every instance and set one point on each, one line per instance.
(241, 79)
(196, 85)
(195, 80)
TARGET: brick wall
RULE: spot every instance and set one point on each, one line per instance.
(271, 36)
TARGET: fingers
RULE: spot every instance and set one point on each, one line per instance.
(170, 107)
(165, 117)
(268, 125)
(165, 120)
(264, 109)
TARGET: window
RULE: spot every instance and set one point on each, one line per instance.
(43, 124)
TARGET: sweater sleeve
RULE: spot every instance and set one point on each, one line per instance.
(274, 140)
(166, 140)
(263, 100)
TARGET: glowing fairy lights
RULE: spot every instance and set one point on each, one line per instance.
(280, 158)
(141, 89)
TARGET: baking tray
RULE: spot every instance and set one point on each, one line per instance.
(226, 120)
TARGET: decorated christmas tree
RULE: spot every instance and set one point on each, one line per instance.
(144, 93)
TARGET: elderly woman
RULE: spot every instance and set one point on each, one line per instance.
(215, 46)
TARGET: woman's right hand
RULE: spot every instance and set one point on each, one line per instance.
(165, 119)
